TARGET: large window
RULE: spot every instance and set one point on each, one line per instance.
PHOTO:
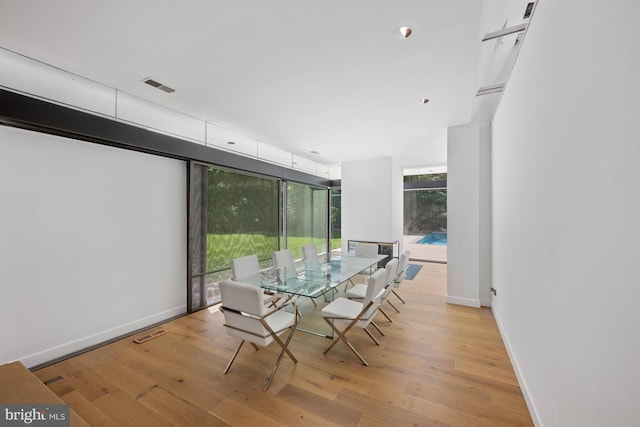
(233, 214)
(425, 209)
(242, 217)
(307, 217)
(336, 218)
(425, 217)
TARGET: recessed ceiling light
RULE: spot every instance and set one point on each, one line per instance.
(314, 152)
(231, 142)
(406, 32)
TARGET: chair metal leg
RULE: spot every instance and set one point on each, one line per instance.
(377, 328)
(385, 314)
(346, 285)
(234, 357)
(282, 345)
(274, 303)
(353, 349)
(371, 336)
(364, 362)
(341, 337)
(394, 307)
(284, 349)
(398, 296)
(336, 338)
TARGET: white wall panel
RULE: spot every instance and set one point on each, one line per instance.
(463, 234)
(322, 170)
(274, 155)
(220, 138)
(370, 193)
(34, 78)
(156, 117)
(335, 172)
(92, 243)
(304, 165)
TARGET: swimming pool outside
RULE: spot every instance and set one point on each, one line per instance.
(421, 252)
(434, 239)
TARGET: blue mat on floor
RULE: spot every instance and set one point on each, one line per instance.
(411, 271)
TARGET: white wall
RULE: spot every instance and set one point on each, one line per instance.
(92, 243)
(397, 203)
(566, 214)
(372, 201)
(463, 215)
(484, 212)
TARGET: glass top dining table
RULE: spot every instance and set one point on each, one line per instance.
(317, 278)
(319, 281)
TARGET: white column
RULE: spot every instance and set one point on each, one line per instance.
(469, 215)
(372, 201)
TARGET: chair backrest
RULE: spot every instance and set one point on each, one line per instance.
(375, 285)
(367, 250)
(310, 256)
(309, 251)
(284, 259)
(392, 269)
(402, 267)
(238, 298)
(245, 266)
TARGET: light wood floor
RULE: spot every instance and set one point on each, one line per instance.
(438, 364)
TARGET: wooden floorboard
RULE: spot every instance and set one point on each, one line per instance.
(437, 365)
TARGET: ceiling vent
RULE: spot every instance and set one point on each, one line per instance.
(158, 85)
(487, 90)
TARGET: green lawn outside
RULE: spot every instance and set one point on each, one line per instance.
(222, 248)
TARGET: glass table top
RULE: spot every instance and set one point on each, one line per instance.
(315, 279)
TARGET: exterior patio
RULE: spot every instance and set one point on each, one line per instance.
(422, 252)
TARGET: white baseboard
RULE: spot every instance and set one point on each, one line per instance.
(516, 367)
(463, 301)
(99, 337)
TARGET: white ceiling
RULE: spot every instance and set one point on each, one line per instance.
(331, 76)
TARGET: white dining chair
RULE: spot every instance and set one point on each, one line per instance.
(248, 266)
(244, 267)
(343, 314)
(359, 291)
(310, 257)
(402, 268)
(368, 250)
(283, 261)
(364, 250)
(246, 317)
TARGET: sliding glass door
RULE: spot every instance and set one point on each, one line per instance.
(233, 214)
(425, 217)
(335, 226)
(306, 221)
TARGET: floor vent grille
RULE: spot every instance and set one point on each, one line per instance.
(149, 336)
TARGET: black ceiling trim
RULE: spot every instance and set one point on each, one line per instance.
(25, 112)
(425, 185)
